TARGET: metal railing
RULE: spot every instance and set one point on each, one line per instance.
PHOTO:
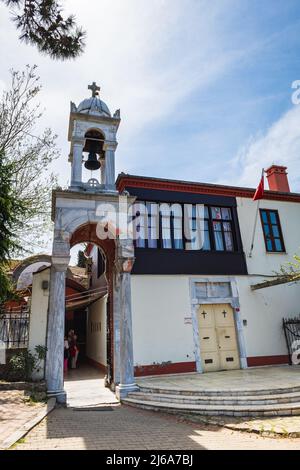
(14, 328)
(291, 327)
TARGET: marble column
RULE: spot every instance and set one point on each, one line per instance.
(55, 331)
(102, 171)
(77, 162)
(110, 148)
(126, 364)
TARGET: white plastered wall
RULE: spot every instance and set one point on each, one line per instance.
(261, 262)
(159, 307)
(38, 315)
(264, 310)
(161, 303)
(96, 332)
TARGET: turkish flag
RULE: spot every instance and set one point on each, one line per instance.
(259, 193)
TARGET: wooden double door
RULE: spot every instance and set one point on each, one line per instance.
(218, 341)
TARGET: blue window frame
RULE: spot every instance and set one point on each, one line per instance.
(272, 231)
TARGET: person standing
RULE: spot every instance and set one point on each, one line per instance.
(74, 351)
(66, 354)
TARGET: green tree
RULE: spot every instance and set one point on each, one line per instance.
(41, 23)
(10, 211)
(291, 271)
(26, 180)
(81, 259)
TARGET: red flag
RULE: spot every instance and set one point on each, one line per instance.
(259, 193)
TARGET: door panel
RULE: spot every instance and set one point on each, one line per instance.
(223, 315)
(217, 334)
(206, 316)
(210, 361)
(229, 360)
(226, 338)
(208, 339)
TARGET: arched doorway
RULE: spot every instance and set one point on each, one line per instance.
(100, 258)
(77, 221)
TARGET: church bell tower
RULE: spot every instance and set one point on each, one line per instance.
(92, 134)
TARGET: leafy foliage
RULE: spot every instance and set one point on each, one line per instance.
(290, 272)
(27, 159)
(81, 259)
(41, 23)
(25, 363)
(26, 181)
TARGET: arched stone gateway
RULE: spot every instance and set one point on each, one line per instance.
(87, 213)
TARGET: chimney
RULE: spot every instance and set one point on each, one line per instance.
(277, 179)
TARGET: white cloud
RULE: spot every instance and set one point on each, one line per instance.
(147, 57)
(280, 145)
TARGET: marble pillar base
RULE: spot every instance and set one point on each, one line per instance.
(123, 390)
(60, 395)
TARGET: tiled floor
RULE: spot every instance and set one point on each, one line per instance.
(273, 377)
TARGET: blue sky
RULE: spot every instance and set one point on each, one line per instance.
(204, 87)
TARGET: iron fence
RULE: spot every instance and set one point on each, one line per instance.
(14, 328)
(291, 327)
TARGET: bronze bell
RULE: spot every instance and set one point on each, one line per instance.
(92, 163)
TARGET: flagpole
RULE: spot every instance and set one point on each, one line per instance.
(255, 222)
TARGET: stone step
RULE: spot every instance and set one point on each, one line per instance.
(219, 399)
(217, 392)
(285, 409)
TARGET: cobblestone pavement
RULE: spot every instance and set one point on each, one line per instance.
(122, 427)
(15, 411)
(281, 425)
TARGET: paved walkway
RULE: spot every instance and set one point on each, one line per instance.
(125, 428)
(273, 377)
(95, 420)
(15, 411)
(85, 387)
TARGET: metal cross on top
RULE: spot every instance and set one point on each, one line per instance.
(95, 89)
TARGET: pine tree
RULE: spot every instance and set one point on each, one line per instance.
(11, 210)
(41, 23)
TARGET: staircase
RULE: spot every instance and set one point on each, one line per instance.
(261, 402)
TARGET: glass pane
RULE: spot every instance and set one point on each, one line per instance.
(278, 244)
(227, 226)
(218, 289)
(166, 232)
(178, 244)
(273, 217)
(226, 213)
(206, 213)
(201, 290)
(206, 242)
(152, 243)
(269, 245)
(275, 231)
(216, 212)
(228, 241)
(140, 236)
(166, 243)
(264, 217)
(267, 230)
(219, 241)
(217, 226)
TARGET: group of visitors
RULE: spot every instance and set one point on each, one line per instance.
(71, 351)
